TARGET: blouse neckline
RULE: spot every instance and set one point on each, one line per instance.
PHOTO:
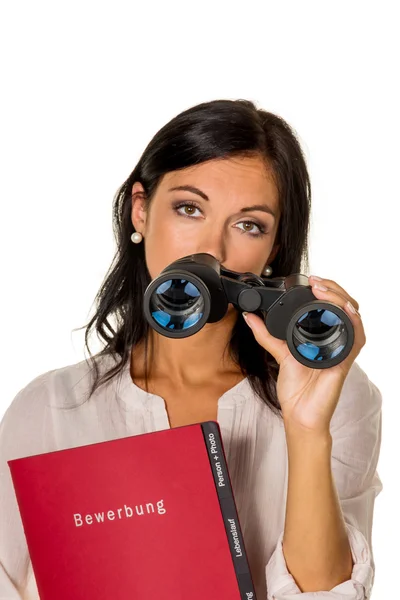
(129, 391)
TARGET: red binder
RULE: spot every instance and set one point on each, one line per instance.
(150, 516)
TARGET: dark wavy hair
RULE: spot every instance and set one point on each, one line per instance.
(211, 130)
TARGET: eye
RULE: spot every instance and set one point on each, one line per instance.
(249, 228)
(189, 209)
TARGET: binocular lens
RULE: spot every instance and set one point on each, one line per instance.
(319, 334)
(177, 304)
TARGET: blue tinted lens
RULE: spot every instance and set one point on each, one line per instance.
(308, 350)
(177, 304)
(191, 290)
(319, 335)
(164, 287)
(192, 320)
(329, 318)
(161, 317)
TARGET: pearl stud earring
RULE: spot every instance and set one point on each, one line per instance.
(267, 271)
(136, 237)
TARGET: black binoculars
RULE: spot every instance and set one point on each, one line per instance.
(196, 290)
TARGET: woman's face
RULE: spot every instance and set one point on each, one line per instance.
(234, 215)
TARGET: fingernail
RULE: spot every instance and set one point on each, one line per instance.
(351, 307)
(316, 278)
(318, 286)
(244, 314)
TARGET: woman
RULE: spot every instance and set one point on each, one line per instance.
(302, 445)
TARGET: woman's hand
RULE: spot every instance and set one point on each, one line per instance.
(309, 397)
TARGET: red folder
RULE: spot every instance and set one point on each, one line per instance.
(150, 516)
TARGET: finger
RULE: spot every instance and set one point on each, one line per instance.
(333, 296)
(359, 335)
(278, 348)
(329, 283)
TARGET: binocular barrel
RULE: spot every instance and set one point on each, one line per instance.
(196, 290)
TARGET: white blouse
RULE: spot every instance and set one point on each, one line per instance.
(51, 413)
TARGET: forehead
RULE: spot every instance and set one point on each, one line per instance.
(240, 178)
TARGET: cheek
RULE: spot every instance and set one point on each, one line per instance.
(250, 257)
(164, 244)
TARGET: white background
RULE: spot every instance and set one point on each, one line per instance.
(85, 85)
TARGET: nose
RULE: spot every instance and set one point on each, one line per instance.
(213, 242)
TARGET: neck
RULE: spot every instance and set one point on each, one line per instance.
(188, 361)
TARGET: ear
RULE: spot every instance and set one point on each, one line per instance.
(139, 214)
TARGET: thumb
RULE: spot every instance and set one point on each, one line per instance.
(278, 348)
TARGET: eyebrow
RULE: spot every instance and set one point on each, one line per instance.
(195, 190)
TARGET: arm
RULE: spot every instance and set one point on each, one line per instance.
(13, 551)
(315, 542)
(348, 489)
(20, 435)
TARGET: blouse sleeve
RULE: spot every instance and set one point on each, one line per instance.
(356, 429)
(20, 435)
